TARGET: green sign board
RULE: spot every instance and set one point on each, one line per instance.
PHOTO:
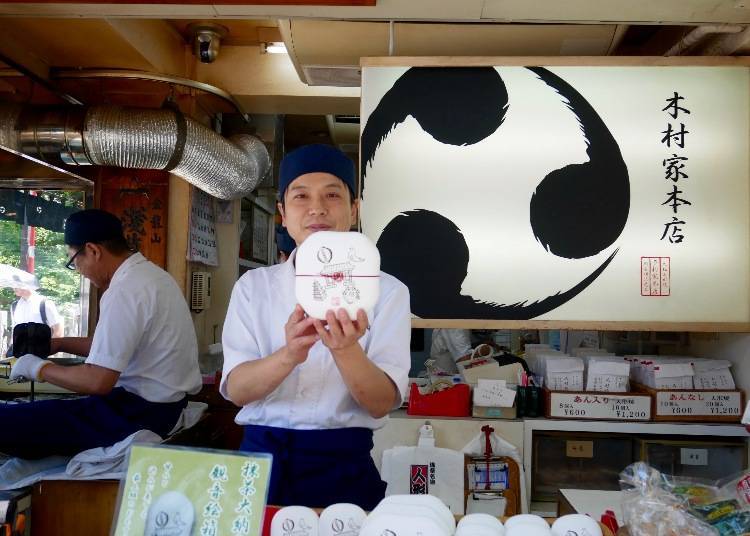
(192, 492)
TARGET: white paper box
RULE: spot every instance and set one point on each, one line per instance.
(639, 364)
(663, 375)
(564, 374)
(337, 271)
(488, 369)
(581, 352)
(713, 374)
(609, 375)
(537, 360)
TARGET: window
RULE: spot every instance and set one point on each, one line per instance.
(31, 238)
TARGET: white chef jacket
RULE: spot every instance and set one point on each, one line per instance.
(448, 345)
(28, 310)
(145, 332)
(314, 395)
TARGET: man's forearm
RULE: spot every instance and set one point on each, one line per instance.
(83, 379)
(72, 345)
(255, 380)
(367, 383)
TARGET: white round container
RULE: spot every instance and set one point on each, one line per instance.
(341, 519)
(380, 524)
(576, 524)
(337, 271)
(527, 529)
(479, 524)
(525, 519)
(297, 520)
(404, 502)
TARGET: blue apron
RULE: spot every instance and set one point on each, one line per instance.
(68, 426)
(317, 468)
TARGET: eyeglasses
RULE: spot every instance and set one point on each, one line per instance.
(69, 265)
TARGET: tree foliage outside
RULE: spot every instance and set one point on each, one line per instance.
(59, 284)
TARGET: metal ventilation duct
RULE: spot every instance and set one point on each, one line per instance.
(138, 139)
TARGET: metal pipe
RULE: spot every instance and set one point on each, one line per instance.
(154, 77)
(138, 139)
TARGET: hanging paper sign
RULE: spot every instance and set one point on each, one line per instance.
(202, 246)
(560, 193)
(180, 492)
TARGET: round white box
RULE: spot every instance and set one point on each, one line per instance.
(342, 519)
(297, 520)
(337, 271)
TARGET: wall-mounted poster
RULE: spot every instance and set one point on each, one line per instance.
(202, 246)
(261, 224)
(591, 193)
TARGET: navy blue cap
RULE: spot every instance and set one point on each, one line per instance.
(92, 225)
(316, 158)
(284, 242)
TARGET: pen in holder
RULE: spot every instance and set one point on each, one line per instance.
(529, 396)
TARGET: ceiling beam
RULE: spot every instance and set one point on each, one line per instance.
(219, 2)
(156, 41)
(661, 12)
(19, 54)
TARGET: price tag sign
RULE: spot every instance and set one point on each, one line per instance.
(604, 406)
(699, 404)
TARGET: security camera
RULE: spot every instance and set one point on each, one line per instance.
(207, 40)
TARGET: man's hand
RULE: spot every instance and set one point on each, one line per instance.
(341, 333)
(28, 366)
(300, 335)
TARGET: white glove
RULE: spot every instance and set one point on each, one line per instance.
(28, 366)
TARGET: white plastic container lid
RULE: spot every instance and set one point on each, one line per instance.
(336, 270)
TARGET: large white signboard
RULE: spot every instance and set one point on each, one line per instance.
(561, 193)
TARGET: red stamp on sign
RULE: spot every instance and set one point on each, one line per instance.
(655, 276)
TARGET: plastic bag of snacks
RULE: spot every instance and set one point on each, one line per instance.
(723, 506)
(738, 486)
(650, 509)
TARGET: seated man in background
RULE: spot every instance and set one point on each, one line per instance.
(141, 361)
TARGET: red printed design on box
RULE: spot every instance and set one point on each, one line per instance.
(655, 276)
(418, 480)
(743, 489)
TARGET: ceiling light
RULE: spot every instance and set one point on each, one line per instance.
(273, 48)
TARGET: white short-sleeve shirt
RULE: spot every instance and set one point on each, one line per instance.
(448, 345)
(29, 310)
(145, 332)
(314, 395)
